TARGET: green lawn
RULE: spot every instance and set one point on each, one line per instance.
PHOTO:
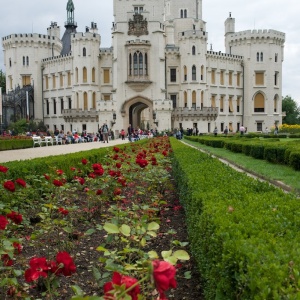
(269, 171)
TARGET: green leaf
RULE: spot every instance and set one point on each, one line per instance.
(18, 273)
(181, 254)
(153, 226)
(89, 232)
(111, 228)
(166, 254)
(101, 249)
(188, 275)
(172, 260)
(152, 255)
(143, 242)
(96, 273)
(77, 290)
(125, 230)
(68, 229)
(152, 233)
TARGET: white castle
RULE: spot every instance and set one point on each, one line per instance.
(157, 74)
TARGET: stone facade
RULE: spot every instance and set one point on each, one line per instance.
(157, 74)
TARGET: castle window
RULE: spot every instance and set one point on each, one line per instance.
(261, 56)
(85, 101)
(183, 13)
(174, 100)
(222, 77)
(70, 103)
(53, 82)
(27, 60)
(61, 80)
(76, 75)
(238, 104)
(238, 79)
(221, 103)
(276, 104)
(106, 77)
(202, 99)
(93, 75)
(259, 126)
(26, 80)
(276, 57)
(231, 110)
(213, 76)
(257, 56)
(276, 79)
(84, 51)
(230, 77)
(138, 9)
(202, 72)
(259, 103)
(69, 78)
(23, 60)
(185, 99)
(213, 101)
(84, 74)
(193, 50)
(94, 101)
(141, 63)
(130, 64)
(106, 97)
(61, 105)
(185, 73)
(194, 95)
(194, 73)
(47, 107)
(259, 78)
(54, 106)
(173, 75)
(46, 82)
(10, 62)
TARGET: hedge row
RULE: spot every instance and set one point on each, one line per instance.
(15, 144)
(244, 233)
(272, 149)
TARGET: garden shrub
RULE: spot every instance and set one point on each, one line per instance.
(242, 231)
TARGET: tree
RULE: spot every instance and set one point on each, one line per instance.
(2, 81)
(292, 110)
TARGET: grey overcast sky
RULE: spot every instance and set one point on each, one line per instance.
(34, 16)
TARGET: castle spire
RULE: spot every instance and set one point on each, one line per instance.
(70, 12)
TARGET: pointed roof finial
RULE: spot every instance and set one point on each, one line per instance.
(70, 12)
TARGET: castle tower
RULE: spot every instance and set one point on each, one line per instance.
(70, 26)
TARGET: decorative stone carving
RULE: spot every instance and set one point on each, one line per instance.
(138, 26)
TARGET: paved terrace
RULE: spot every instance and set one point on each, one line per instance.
(29, 153)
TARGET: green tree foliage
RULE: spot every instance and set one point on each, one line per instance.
(22, 126)
(292, 110)
(2, 81)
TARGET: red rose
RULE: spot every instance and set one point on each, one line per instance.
(117, 191)
(3, 222)
(38, 268)
(57, 182)
(7, 261)
(9, 185)
(73, 169)
(21, 182)
(59, 172)
(15, 217)
(63, 211)
(118, 165)
(3, 169)
(47, 177)
(164, 276)
(84, 161)
(116, 149)
(80, 180)
(99, 192)
(68, 264)
(120, 280)
(92, 175)
(18, 247)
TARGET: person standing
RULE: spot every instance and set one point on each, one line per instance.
(130, 132)
(105, 133)
(242, 130)
(123, 134)
(226, 130)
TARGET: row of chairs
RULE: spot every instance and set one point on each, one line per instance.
(46, 140)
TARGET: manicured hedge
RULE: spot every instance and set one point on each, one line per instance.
(10, 144)
(244, 233)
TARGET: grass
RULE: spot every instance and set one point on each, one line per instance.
(268, 171)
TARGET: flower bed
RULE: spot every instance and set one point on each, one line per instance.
(107, 231)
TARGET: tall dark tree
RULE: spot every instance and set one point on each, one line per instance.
(292, 110)
(2, 81)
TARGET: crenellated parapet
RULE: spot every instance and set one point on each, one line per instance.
(29, 38)
(192, 34)
(254, 35)
(226, 56)
(59, 58)
(86, 36)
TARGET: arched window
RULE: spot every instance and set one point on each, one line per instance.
(23, 60)
(193, 50)
(93, 75)
(194, 94)
(76, 75)
(85, 101)
(257, 56)
(27, 60)
(185, 99)
(185, 13)
(94, 101)
(194, 73)
(135, 64)
(181, 13)
(202, 72)
(84, 74)
(146, 64)
(10, 62)
(141, 63)
(261, 56)
(259, 103)
(185, 73)
(202, 99)
(77, 100)
(84, 51)
(276, 104)
(130, 64)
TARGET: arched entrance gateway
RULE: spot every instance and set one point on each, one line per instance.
(138, 112)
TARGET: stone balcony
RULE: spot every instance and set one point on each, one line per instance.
(71, 115)
(195, 114)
